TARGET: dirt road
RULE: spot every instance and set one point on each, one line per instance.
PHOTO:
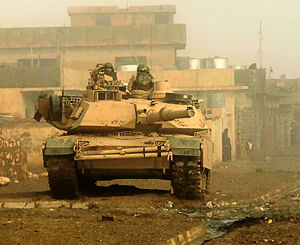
(144, 212)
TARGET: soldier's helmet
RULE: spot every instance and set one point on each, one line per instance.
(109, 65)
(143, 68)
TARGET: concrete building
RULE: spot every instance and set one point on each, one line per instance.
(266, 113)
(130, 36)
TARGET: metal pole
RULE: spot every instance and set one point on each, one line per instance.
(260, 45)
(31, 55)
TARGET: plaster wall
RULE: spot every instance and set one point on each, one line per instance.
(11, 103)
(163, 34)
(84, 58)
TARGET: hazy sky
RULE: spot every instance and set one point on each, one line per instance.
(227, 28)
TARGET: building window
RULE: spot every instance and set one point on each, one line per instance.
(103, 20)
(38, 63)
(162, 18)
(130, 60)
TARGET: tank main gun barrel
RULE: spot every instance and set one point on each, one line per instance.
(165, 114)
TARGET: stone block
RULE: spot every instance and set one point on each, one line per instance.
(55, 204)
(80, 205)
(14, 205)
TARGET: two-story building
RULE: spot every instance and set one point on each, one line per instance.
(139, 34)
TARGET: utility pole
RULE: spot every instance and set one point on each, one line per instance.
(61, 49)
(260, 45)
(262, 96)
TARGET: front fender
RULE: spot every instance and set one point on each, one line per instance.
(60, 146)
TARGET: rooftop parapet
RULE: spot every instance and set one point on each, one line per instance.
(115, 9)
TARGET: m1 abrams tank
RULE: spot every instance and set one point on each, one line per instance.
(112, 135)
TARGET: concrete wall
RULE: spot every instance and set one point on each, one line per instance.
(216, 136)
(116, 19)
(84, 20)
(12, 55)
(11, 102)
(49, 37)
(186, 79)
(134, 15)
(15, 77)
(86, 58)
(37, 134)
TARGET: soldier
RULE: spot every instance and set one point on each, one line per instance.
(109, 71)
(143, 79)
(94, 73)
(106, 69)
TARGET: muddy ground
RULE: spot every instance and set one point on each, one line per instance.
(249, 203)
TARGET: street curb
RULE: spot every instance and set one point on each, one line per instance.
(45, 204)
(189, 236)
(273, 194)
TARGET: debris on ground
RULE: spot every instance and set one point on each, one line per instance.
(4, 181)
(32, 176)
(296, 198)
(107, 218)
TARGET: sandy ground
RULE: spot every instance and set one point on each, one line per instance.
(144, 212)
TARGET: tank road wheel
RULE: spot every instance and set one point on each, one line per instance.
(189, 178)
(62, 177)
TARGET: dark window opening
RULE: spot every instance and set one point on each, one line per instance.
(109, 96)
(106, 96)
(103, 20)
(101, 96)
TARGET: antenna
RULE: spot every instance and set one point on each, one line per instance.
(61, 50)
(260, 45)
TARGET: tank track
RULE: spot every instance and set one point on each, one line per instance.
(62, 177)
(189, 179)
